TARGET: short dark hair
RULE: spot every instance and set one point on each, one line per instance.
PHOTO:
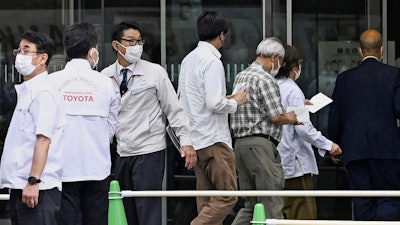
(43, 42)
(210, 24)
(119, 29)
(291, 59)
(78, 39)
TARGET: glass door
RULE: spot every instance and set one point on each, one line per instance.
(47, 16)
(327, 32)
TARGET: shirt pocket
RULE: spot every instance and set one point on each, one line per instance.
(140, 90)
(144, 97)
(27, 124)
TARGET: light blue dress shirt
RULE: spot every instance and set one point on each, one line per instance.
(295, 146)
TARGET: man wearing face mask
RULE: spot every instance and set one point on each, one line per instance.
(203, 95)
(298, 159)
(257, 127)
(91, 107)
(30, 165)
(146, 97)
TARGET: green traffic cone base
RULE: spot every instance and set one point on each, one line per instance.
(116, 210)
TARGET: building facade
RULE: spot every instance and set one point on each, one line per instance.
(326, 31)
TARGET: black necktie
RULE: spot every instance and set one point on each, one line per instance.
(123, 87)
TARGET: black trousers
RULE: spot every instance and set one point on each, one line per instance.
(375, 174)
(84, 203)
(45, 213)
(137, 173)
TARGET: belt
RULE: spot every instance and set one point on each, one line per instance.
(275, 142)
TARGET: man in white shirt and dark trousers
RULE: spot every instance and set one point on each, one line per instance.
(203, 96)
(91, 107)
(146, 97)
(32, 155)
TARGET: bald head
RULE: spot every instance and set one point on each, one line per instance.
(370, 42)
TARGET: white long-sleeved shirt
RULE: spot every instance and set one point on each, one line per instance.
(92, 108)
(202, 93)
(295, 146)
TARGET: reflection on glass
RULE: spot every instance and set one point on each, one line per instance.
(147, 14)
(327, 31)
(245, 32)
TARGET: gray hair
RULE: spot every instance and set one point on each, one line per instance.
(270, 46)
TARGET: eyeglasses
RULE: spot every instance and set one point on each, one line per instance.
(24, 51)
(133, 42)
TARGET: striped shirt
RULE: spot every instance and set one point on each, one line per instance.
(263, 103)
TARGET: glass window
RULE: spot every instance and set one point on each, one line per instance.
(245, 32)
(238, 51)
(327, 33)
(51, 22)
(146, 13)
(43, 16)
(393, 16)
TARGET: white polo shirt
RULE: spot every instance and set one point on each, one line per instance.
(38, 111)
(92, 108)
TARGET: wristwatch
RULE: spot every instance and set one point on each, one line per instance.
(33, 180)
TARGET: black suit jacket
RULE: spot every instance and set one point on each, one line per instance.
(364, 112)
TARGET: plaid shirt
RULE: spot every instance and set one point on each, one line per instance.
(263, 103)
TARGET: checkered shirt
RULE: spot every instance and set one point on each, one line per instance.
(263, 103)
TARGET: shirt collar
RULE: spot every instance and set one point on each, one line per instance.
(35, 81)
(209, 47)
(78, 63)
(257, 64)
(120, 67)
(370, 57)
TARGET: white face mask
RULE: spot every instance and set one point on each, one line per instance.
(275, 72)
(297, 73)
(23, 64)
(95, 62)
(132, 53)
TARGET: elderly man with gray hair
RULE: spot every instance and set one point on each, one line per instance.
(257, 127)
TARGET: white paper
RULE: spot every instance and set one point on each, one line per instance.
(319, 101)
(239, 86)
(301, 112)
